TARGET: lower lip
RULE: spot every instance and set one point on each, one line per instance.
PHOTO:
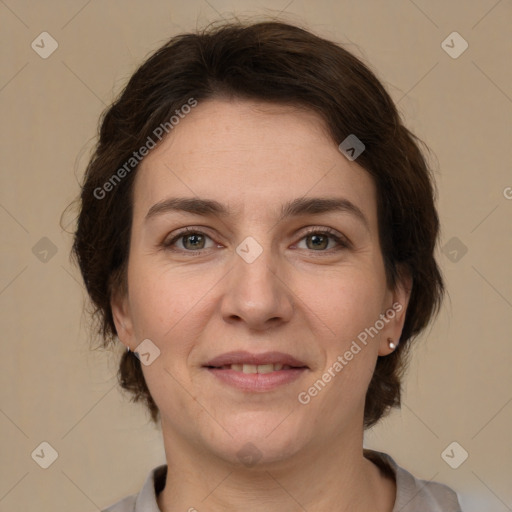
(257, 382)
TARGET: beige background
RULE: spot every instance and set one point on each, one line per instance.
(54, 389)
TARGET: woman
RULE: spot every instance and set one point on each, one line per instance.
(257, 227)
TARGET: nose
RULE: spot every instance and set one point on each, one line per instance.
(257, 292)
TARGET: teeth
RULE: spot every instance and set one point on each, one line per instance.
(257, 368)
(265, 368)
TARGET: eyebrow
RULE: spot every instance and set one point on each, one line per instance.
(294, 208)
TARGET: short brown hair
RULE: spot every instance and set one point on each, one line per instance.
(285, 64)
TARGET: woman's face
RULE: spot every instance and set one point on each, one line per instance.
(269, 270)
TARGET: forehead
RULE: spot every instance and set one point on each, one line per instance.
(251, 156)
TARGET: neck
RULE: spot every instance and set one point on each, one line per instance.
(316, 480)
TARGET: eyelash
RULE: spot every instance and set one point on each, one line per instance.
(343, 243)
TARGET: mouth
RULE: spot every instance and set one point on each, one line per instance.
(256, 372)
(248, 362)
(255, 368)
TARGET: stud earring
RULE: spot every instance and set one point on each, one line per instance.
(392, 346)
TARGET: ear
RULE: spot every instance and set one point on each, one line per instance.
(396, 308)
(121, 313)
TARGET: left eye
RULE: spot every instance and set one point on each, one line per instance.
(320, 240)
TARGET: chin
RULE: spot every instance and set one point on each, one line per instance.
(260, 441)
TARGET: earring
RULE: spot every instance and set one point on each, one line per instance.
(392, 346)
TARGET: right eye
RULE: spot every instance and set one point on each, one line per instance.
(188, 240)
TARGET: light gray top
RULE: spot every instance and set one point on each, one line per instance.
(412, 494)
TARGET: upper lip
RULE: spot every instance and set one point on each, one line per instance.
(241, 357)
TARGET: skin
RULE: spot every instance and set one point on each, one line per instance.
(296, 297)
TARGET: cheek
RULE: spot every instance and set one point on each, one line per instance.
(169, 306)
(348, 300)
(157, 298)
(169, 309)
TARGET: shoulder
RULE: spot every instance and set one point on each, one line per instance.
(413, 494)
(125, 505)
(146, 499)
